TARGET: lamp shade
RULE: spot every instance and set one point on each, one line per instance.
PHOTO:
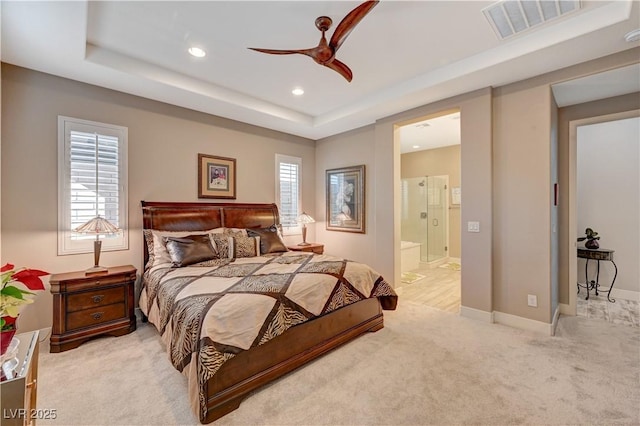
(98, 226)
(305, 218)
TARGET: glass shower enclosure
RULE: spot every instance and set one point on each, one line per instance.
(424, 215)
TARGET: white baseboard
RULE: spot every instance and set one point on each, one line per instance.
(523, 323)
(476, 314)
(554, 321)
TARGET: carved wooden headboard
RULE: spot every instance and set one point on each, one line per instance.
(177, 216)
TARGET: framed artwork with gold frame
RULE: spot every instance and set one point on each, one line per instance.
(346, 199)
(216, 177)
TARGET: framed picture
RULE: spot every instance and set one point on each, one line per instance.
(216, 177)
(345, 199)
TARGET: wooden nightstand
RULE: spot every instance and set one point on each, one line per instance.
(85, 306)
(312, 247)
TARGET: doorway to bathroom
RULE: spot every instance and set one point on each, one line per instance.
(430, 255)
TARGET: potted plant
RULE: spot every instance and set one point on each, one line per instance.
(592, 239)
(14, 294)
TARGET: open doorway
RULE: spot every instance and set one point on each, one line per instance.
(606, 199)
(430, 190)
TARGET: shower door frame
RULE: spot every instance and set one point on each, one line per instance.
(446, 209)
(426, 262)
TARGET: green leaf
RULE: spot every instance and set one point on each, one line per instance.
(14, 292)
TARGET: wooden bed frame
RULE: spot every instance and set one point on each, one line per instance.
(253, 368)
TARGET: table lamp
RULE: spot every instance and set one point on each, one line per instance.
(304, 219)
(98, 226)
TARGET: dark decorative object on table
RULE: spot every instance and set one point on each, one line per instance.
(592, 239)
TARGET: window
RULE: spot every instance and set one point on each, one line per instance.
(92, 180)
(288, 189)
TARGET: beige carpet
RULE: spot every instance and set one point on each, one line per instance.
(425, 367)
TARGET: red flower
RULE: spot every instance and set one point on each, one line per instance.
(9, 322)
(6, 267)
(30, 278)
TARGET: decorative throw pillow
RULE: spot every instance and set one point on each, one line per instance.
(148, 238)
(190, 249)
(270, 239)
(156, 244)
(245, 247)
(235, 232)
(222, 246)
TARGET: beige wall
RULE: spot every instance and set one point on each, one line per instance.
(349, 149)
(164, 141)
(521, 188)
(438, 162)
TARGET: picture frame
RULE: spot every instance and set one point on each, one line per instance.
(346, 199)
(216, 177)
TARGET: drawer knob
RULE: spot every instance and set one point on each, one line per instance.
(97, 315)
(98, 298)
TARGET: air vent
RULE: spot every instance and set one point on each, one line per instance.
(510, 17)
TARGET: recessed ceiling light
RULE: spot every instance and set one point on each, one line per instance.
(632, 36)
(416, 146)
(197, 52)
(298, 91)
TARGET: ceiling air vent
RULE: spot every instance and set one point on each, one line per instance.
(510, 17)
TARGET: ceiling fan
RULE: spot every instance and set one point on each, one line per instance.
(325, 53)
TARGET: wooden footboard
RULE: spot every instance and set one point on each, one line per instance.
(251, 369)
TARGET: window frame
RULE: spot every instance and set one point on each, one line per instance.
(289, 159)
(68, 241)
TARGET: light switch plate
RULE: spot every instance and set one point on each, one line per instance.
(473, 226)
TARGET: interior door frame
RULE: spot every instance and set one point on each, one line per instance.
(573, 189)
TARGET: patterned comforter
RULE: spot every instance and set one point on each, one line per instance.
(207, 314)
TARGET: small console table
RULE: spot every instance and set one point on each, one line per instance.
(597, 255)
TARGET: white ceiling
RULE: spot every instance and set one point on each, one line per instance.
(433, 133)
(403, 54)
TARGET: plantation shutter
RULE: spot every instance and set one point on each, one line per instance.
(94, 178)
(288, 170)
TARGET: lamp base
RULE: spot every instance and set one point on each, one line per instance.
(304, 244)
(96, 270)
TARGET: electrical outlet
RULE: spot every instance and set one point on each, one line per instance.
(473, 226)
(532, 300)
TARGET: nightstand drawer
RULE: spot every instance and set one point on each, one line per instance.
(93, 299)
(91, 317)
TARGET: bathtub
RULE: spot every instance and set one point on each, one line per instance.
(409, 256)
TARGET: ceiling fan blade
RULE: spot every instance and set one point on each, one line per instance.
(282, 52)
(341, 68)
(349, 22)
